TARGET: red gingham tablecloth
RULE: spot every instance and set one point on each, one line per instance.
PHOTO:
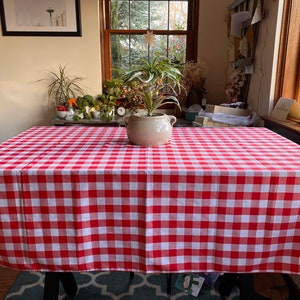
(212, 199)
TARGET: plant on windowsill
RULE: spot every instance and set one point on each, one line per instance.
(152, 84)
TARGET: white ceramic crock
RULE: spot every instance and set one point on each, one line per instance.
(146, 130)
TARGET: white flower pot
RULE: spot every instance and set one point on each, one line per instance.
(146, 130)
(61, 114)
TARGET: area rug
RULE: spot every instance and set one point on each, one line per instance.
(111, 286)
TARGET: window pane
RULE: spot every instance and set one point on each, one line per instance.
(160, 46)
(178, 15)
(119, 53)
(159, 15)
(154, 15)
(138, 48)
(177, 47)
(126, 49)
(119, 14)
(139, 15)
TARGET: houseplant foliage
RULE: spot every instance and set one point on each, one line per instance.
(153, 83)
(82, 106)
(112, 91)
(66, 93)
(63, 87)
(86, 107)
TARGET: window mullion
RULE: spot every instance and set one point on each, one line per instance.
(149, 23)
(129, 35)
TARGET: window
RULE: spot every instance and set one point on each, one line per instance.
(288, 73)
(129, 27)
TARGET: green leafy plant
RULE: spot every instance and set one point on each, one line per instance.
(107, 101)
(155, 83)
(63, 87)
(82, 103)
(106, 106)
(114, 87)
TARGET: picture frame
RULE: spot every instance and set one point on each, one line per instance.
(40, 18)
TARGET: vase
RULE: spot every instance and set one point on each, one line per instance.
(147, 130)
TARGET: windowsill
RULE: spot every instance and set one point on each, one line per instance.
(287, 124)
(288, 128)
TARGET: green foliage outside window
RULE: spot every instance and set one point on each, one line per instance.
(127, 48)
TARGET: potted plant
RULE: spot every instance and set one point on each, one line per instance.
(112, 91)
(106, 106)
(193, 79)
(63, 87)
(154, 84)
(83, 107)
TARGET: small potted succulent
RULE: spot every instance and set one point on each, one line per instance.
(154, 84)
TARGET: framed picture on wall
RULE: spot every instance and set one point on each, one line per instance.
(40, 18)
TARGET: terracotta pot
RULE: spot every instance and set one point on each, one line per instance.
(146, 130)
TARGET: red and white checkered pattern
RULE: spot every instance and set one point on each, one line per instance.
(212, 199)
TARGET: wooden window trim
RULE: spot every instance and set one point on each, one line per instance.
(288, 71)
(103, 51)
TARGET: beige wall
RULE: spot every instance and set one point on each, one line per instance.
(261, 91)
(23, 60)
(212, 46)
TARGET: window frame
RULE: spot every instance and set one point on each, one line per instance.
(288, 70)
(105, 32)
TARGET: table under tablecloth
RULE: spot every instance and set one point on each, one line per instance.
(212, 199)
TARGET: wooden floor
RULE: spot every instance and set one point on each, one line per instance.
(7, 278)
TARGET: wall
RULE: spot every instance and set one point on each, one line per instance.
(212, 46)
(212, 50)
(24, 60)
(261, 91)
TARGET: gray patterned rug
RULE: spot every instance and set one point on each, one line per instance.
(110, 286)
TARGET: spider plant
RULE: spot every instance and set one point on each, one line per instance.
(154, 83)
(63, 87)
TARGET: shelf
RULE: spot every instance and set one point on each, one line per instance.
(95, 122)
